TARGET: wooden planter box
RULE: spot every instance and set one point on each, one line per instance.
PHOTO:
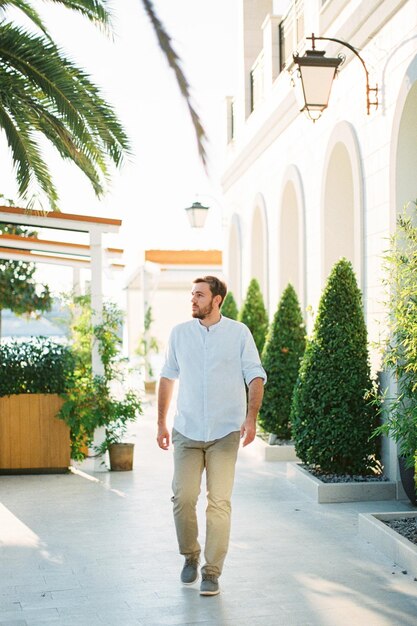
(32, 438)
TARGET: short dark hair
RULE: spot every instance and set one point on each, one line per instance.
(217, 286)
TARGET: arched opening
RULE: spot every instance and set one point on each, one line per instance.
(259, 250)
(235, 260)
(289, 242)
(339, 211)
(403, 189)
(406, 161)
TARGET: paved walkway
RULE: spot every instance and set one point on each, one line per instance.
(91, 549)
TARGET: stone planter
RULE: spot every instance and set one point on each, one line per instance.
(339, 492)
(402, 551)
(32, 438)
(276, 452)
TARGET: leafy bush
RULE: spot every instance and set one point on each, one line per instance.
(19, 290)
(254, 314)
(332, 418)
(37, 365)
(400, 348)
(90, 401)
(281, 356)
(229, 307)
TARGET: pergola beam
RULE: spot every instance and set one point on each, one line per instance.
(57, 220)
(34, 244)
(10, 254)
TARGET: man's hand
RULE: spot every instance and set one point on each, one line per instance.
(165, 389)
(163, 437)
(248, 431)
(255, 395)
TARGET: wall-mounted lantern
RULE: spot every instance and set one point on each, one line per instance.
(317, 72)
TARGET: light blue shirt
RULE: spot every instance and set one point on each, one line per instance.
(212, 364)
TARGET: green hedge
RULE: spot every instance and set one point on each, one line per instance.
(254, 314)
(332, 419)
(37, 365)
(281, 357)
(229, 307)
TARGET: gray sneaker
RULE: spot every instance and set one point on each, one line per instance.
(189, 574)
(209, 585)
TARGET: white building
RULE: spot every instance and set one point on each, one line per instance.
(299, 194)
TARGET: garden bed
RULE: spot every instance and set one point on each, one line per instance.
(378, 529)
(406, 527)
(347, 491)
(280, 451)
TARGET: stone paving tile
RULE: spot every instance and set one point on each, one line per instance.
(46, 614)
(13, 606)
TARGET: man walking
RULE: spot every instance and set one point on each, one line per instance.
(213, 357)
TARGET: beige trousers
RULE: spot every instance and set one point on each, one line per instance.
(218, 458)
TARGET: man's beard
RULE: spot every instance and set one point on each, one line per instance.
(201, 314)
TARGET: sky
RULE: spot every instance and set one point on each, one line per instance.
(164, 175)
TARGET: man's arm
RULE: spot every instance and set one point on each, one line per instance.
(166, 387)
(255, 395)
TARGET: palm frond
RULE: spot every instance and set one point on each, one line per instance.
(23, 102)
(28, 10)
(174, 62)
(97, 11)
(42, 93)
(70, 91)
(94, 10)
(30, 167)
(69, 148)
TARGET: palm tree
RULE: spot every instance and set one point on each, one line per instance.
(45, 95)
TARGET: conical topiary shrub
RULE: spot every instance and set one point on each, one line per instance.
(229, 307)
(281, 357)
(254, 314)
(332, 421)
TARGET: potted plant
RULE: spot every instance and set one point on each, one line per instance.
(93, 401)
(398, 401)
(118, 415)
(148, 345)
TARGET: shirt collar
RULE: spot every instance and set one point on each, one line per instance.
(213, 327)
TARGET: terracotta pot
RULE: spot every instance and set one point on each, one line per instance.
(408, 480)
(121, 456)
(150, 386)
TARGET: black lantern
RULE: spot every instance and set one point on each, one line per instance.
(197, 214)
(317, 73)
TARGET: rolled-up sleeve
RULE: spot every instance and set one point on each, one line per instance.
(170, 369)
(251, 363)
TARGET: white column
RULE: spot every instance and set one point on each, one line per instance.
(76, 281)
(270, 29)
(96, 291)
(97, 306)
(145, 300)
